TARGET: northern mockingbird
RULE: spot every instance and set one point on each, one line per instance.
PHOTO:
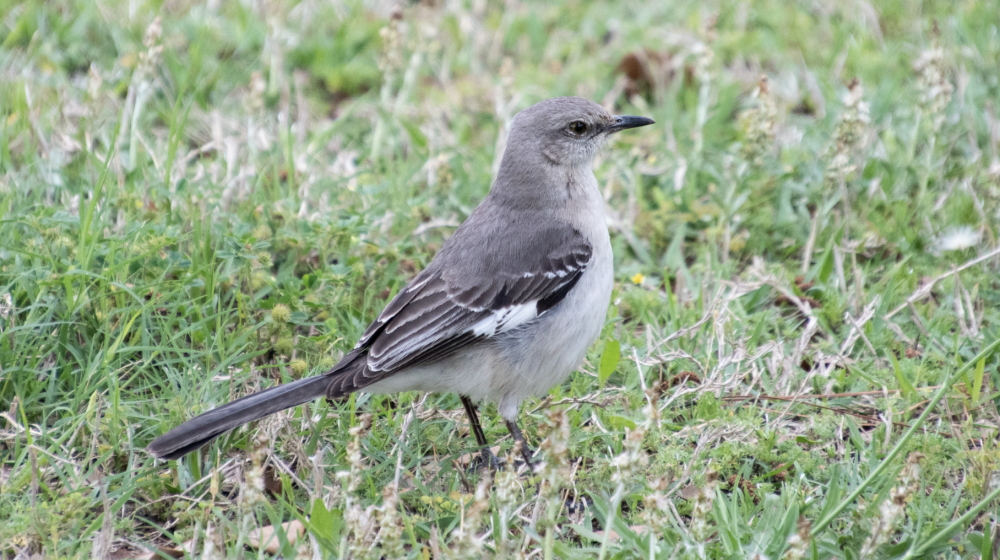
(504, 311)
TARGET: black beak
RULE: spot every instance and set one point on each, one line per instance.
(622, 122)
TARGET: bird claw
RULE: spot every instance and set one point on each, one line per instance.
(486, 460)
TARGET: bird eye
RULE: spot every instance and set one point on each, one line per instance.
(578, 127)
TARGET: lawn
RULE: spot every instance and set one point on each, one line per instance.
(801, 355)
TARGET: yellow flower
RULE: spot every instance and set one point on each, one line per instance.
(638, 278)
(280, 313)
(298, 367)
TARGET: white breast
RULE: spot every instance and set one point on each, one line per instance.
(544, 352)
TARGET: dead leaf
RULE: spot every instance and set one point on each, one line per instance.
(646, 71)
(125, 552)
(802, 285)
(612, 535)
(690, 491)
(782, 299)
(272, 482)
(683, 377)
(292, 529)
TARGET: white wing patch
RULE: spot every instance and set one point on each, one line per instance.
(508, 318)
(437, 314)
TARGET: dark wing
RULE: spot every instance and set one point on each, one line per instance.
(469, 294)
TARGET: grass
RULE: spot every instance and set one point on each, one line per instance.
(199, 201)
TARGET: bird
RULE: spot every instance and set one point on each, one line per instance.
(504, 311)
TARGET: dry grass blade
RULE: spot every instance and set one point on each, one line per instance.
(928, 286)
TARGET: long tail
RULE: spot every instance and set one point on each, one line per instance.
(204, 428)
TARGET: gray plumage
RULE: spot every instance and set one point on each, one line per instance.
(508, 306)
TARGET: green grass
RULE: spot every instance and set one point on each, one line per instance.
(197, 208)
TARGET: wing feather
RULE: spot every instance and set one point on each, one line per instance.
(455, 302)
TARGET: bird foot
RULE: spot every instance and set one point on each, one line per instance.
(486, 460)
(527, 455)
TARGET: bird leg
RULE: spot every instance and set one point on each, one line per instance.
(519, 440)
(487, 456)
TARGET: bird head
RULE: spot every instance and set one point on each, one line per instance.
(567, 131)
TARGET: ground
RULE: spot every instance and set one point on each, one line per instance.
(199, 201)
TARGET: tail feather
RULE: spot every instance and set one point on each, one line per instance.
(202, 429)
